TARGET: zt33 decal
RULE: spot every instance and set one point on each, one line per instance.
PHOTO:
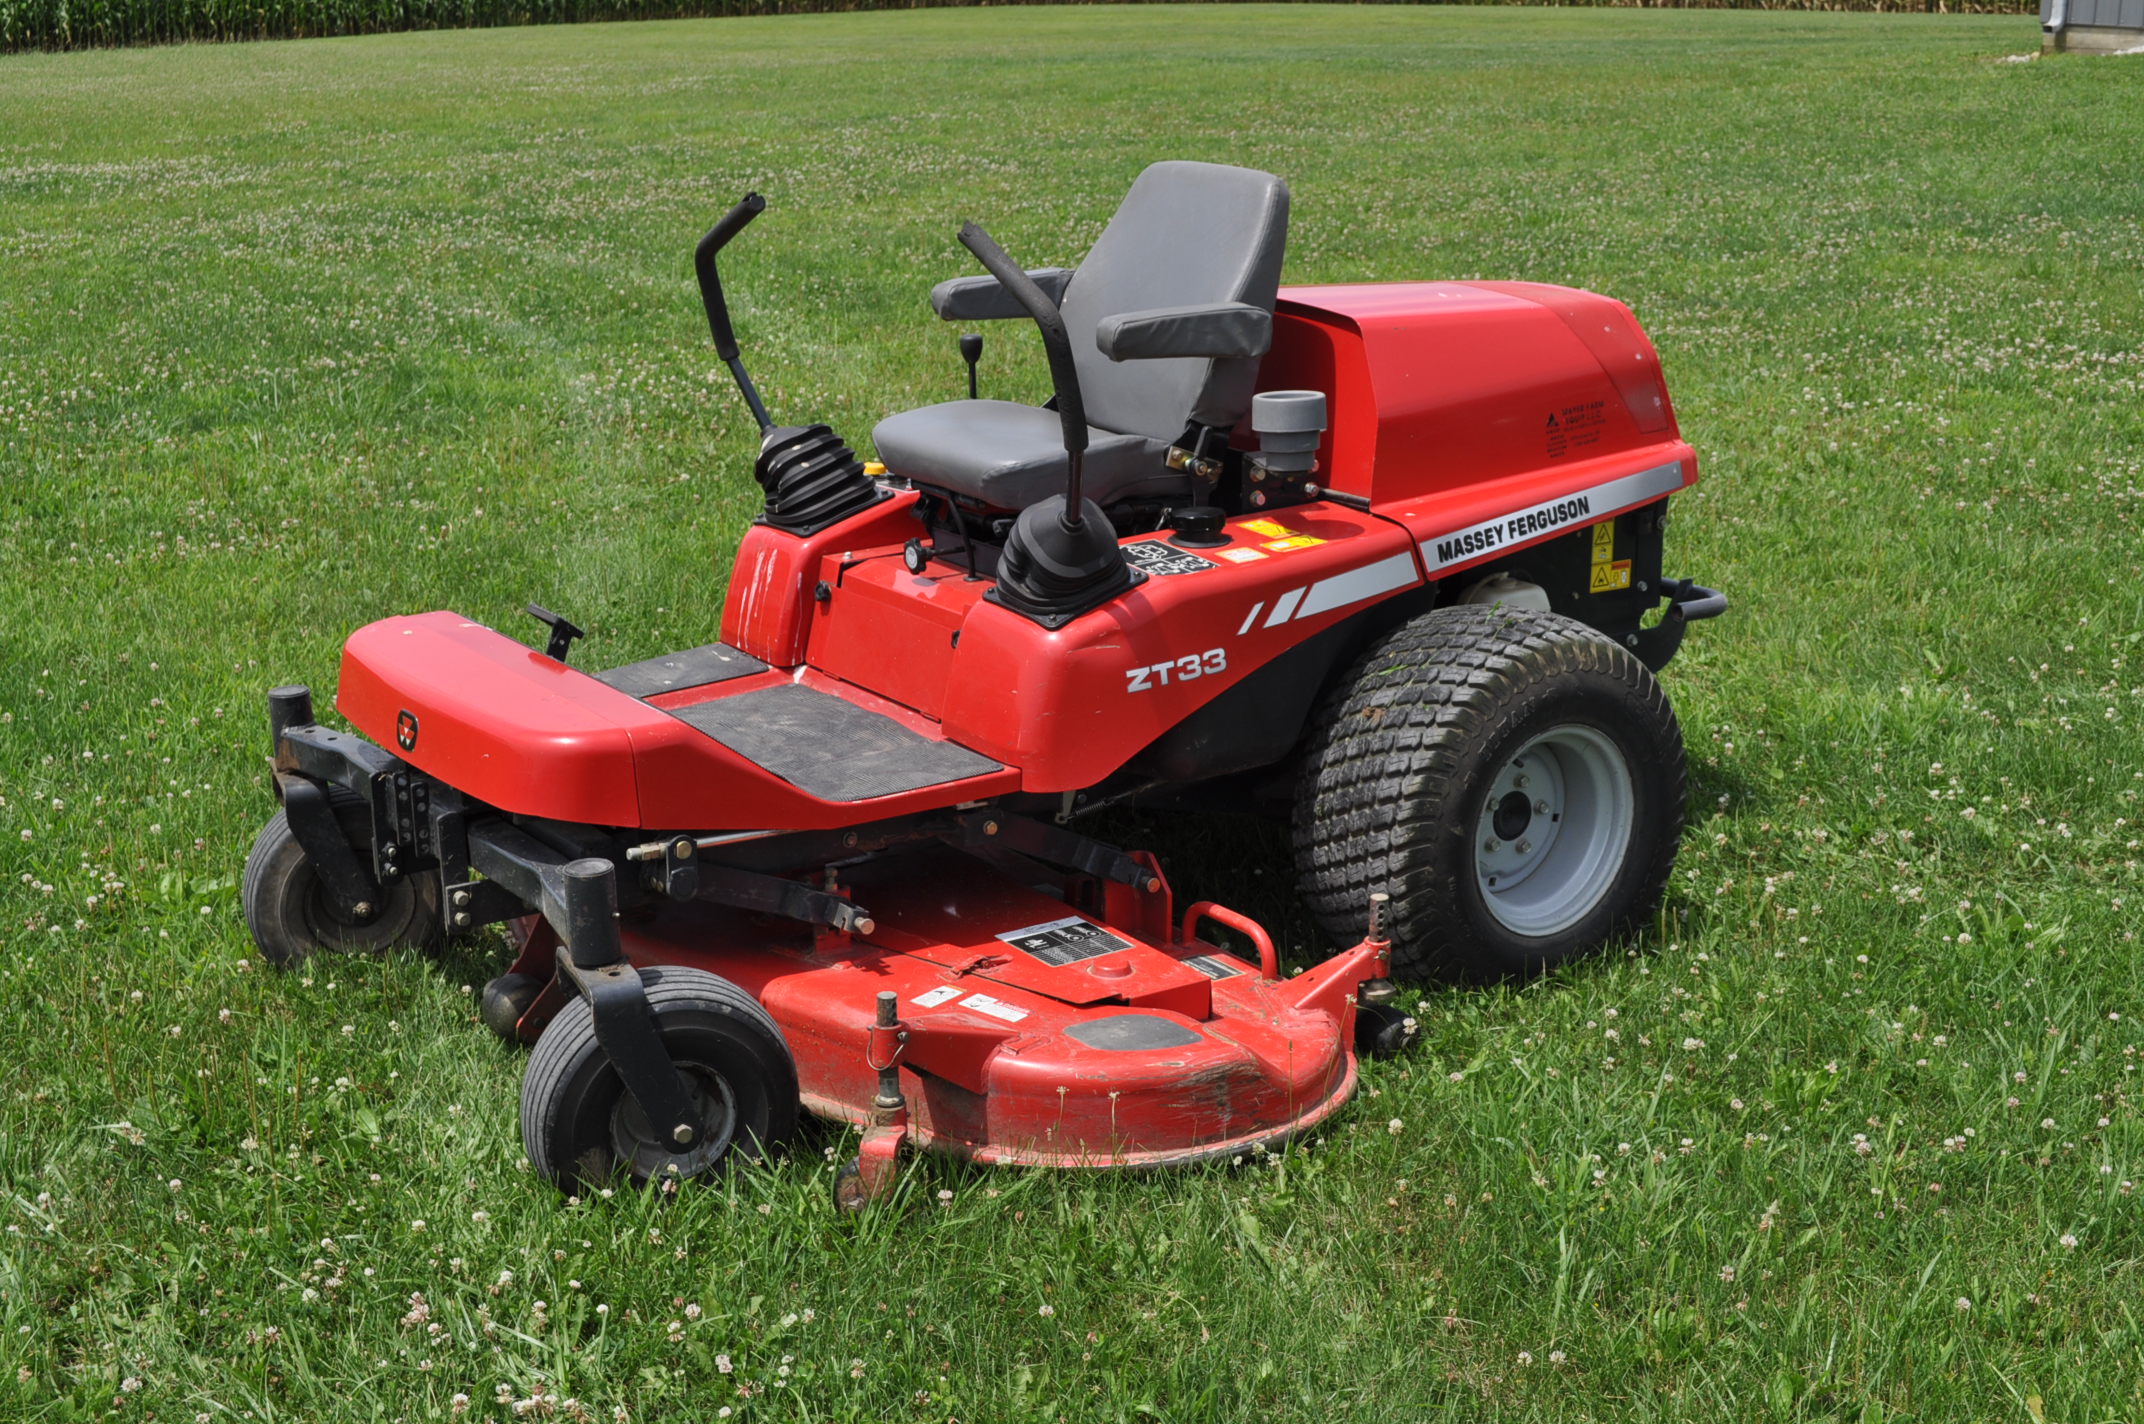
(1183, 669)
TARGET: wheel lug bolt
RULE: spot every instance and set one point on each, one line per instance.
(361, 909)
(1525, 846)
(1540, 808)
(1492, 845)
(1519, 781)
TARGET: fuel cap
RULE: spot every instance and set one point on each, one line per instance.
(1197, 527)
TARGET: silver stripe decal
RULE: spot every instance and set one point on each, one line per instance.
(1251, 617)
(1357, 584)
(1568, 511)
(1284, 608)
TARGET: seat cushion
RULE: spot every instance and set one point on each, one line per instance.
(1009, 456)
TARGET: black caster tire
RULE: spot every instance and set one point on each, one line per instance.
(505, 1000)
(1383, 1030)
(581, 1128)
(1513, 779)
(289, 912)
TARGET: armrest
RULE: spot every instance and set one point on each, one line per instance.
(982, 299)
(1222, 330)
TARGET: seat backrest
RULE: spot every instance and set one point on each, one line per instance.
(1187, 233)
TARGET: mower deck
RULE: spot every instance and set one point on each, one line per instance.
(1027, 1034)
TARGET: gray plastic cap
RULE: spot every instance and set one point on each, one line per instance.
(1288, 412)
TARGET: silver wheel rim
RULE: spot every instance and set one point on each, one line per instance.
(635, 1142)
(1553, 830)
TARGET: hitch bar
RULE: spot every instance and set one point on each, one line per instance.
(580, 899)
(1688, 602)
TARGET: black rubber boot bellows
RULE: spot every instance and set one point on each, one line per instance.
(1052, 572)
(811, 478)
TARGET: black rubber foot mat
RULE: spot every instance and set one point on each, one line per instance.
(830, 748)
(1128, 1033)
(695, 667)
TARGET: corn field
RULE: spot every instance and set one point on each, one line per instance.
(81, 24)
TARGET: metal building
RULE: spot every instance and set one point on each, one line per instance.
(2091, 26)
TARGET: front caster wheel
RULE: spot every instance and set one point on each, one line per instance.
(1513, 779)
(291, 914)
(581, 1128)
(1383, 1030)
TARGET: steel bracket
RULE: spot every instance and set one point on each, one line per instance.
(312, 820)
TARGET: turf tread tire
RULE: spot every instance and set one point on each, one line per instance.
(1401, 740)
(567, 1051)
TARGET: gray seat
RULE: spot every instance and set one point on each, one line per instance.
(1008, 456)
(1168, 316)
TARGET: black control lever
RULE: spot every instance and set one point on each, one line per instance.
(562, 632)
(718, 310)
(971, 351)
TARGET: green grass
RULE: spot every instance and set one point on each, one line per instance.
(295, 336)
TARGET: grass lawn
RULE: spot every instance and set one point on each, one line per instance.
(295, 336)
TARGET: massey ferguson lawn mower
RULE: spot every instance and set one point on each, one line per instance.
(1388, 556)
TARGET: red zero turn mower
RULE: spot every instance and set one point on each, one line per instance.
(1387, 555)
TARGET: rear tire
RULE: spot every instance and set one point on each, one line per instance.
(581, 1128)
(1513, 779)
(290, 914)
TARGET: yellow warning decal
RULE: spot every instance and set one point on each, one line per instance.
(1607, 578)
(1604, 542)
(1243, 556)
(1299, 541)
(1271, 528)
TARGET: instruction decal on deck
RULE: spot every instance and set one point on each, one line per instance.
(1213, 967)
(932, 998)
(1269, 528)
(1243, 556)
(1065, 941)
(1294, 541)
(1159, 556)
(996, 1008)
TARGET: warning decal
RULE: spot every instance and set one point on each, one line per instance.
(1213, 967)
(996, 1008)
(932, 998)
(1270, 528)
(1159, 556)
(1575, 427)
(1523, 526)
(1242, 556)
(1609, 572)
(1065, 941)
(1293, 541)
